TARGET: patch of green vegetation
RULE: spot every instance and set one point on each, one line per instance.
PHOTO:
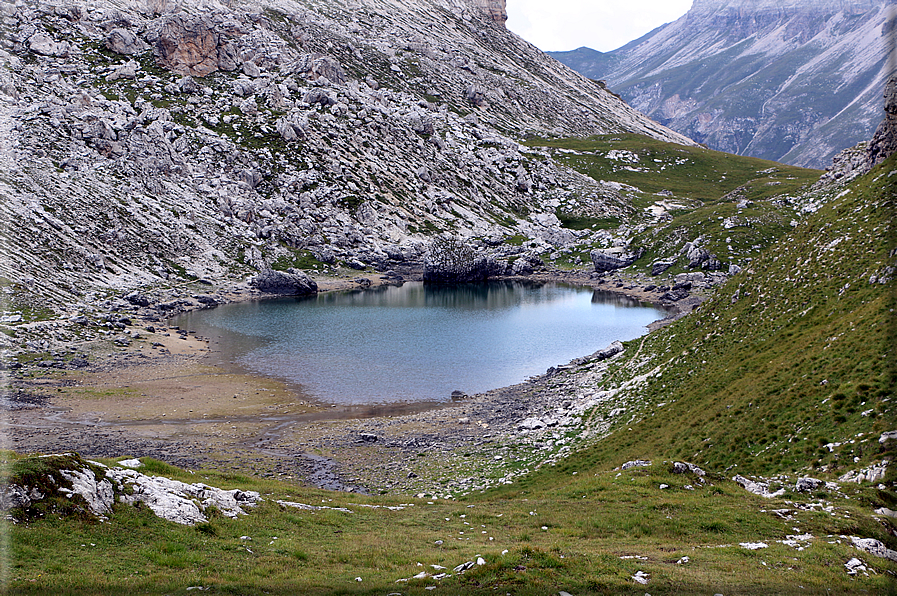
(180, 270)
(733, 202)
(183, 119)
(687, 172)
(46, 475)
(299, 259)
(575, 222)
(351, 201)
(23, 301)
(575, 527)
(790, 365)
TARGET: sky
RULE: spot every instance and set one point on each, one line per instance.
(603, 25)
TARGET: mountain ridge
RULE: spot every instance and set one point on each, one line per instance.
(149, 141)
(794, 83)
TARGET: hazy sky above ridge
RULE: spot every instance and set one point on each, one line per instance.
(603, 25)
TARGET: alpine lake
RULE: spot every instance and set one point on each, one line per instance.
(417, 343)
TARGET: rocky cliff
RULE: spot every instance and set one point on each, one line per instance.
(152, 142)
(884, 142)
(793, 81)
(494, 9)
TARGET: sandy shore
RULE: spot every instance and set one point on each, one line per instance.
(167, 396)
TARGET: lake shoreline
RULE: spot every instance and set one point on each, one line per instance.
(132, 402)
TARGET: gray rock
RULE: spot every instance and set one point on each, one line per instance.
(290, 130)
(125, 71)
(14, 496)
(874, 547)
(658, 267)
(43, 44)
(319, 96)
(188, 85)
(757, 488)
(97, 492)
(251, 69)
(685, 467)
(521, 267)
(884, 142)
(612, 258)
(638, 463)
(123, 41)
(315, 66)
(476, 95)
(887, 436)
(451, 260)
(189, 45)
(612, 350)
(808, 484)
(292, 282)
(178, 501)
(695, 254)
(531, 424)
(855, 566)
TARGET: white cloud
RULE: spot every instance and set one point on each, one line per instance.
(602, 25)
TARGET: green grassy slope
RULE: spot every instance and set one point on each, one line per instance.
(791, 364)
(577, 528)
(738, 205)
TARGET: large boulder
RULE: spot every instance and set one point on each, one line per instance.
(610, 259)
(314, 66)
(290, 282)
(450, 260)
(43, 44)
(122, 41)
(191, 46)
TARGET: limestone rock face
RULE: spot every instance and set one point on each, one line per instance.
(494, 9)
(450, 260)
(191, 46)
(43, 44)
(884, 142)
(359, 134)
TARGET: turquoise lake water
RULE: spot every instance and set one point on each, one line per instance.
(418, 343)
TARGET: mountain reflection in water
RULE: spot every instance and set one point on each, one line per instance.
(419, 342)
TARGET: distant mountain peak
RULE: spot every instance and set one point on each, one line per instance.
(788, 80)
(805, 5)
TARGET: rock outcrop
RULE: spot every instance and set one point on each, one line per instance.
(73, 486)
(191, 46)
(291, 282)
(613, 258)
(451, 261)
(494, 9)
(884, 142)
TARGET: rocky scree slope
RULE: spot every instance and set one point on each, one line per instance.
(794, 81)
(148, 144)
